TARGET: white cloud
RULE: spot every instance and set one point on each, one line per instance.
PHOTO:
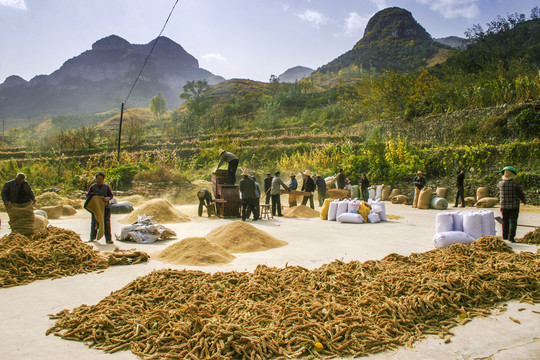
(16, 4)
(314, 17)
(381, 4)
(355, 23)
(452, 9)
(214, 57)
(284, 7)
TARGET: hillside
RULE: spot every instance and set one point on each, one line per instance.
(295, 74)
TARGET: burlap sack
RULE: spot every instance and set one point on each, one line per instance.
(398, 199)
(40, 222)
(395, 192)
(339, 193)
(68, 210)
(441, 192)
(21, 218)
(387, 189)
(482, 192)
(487, 202)
(424, 199)
(330, 184)
(470, 201)
(53, 212)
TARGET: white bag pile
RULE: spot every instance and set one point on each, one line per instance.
(346, 211)
(463, 227)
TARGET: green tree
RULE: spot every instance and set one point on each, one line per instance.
(194, 89)
(158, 106)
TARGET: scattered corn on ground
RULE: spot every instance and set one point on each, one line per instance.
(532, 237)
(340, 309)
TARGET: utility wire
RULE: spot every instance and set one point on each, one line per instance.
(151, 50)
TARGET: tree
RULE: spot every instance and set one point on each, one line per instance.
(134, 132)
(87, 136)
(193, 89)
(158, 106)
(189, 124)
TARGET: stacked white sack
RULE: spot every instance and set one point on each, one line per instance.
(472, 224)
(378, 192)
(451, 237)
(458, 221)
(354, 205)
(444, 222)
(332, 210)
(342, 207)
(378, 207)
(350, 218)
(488, 223)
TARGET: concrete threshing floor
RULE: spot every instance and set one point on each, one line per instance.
(312, 243)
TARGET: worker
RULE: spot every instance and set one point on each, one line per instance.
(17, 191)
(340, 179)
(257, 198)
(321, 188)
(460, 188)
(364, 185)
(267, 186)
(101, 189)
(232, 160)
(247, 193)
(275, 192)
(510, 195)
(293, 185)
(308, 186)
(205, 196)
(419, 182)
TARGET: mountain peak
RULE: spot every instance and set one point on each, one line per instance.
(111, 42)
(394, 23)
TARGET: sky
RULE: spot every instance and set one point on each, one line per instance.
(251, 39)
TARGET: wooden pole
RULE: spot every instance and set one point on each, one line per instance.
(120, 131)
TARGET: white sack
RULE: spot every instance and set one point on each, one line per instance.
(444, 222)
(373, 217)
(472, 224)
(350, 218)
(332, 210)
(451, 237)
(379, 207)
(371, 192)
(342, 207)
(378, 192)
(488, 223)
(458, 220)
(354, 205)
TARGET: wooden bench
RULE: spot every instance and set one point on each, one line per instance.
(266, 211)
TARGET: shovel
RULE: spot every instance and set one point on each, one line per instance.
(499, 220)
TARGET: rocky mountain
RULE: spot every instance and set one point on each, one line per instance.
(393, 39)
(454, 42)
(295, 73)
(101, 78)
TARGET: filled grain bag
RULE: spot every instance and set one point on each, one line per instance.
(387, 189)
(488, 223)
(399, 199)
(354, 206)
(355, 191)
(332, 210)
(444, 222)
(373, 217)
(40, 222)
(330, 183)
(439, 203)
(21, 218)
(487, 202)
(379, 207)
(53, 212)
(364, 211)
(458, 220)
(350, 218)
(325, 208)
(470, 201)
(481, 193)
(441, 192)
(68, 210)
(394, 192)
(339, 193)
(378, 192)
(472, 224)
(424, 198)
(41, 213)
(372, 191)
(342, 207)
(451, 237)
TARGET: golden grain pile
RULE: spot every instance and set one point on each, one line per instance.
(196, 251)
(340, 309)
(53, 253)
(53, 199)
(532, 237)
(301, 211)
(162, 211)
(241, 237)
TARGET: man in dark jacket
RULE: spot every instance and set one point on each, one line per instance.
(460, 185)
(17, 191)
(321, 189)
(340, 179)
(419, 182)
(247, 192)
(205, 196)
(511, 194)
(257, 198)
(267, 186)
(308, 186)
(364, 185)
(232, 160)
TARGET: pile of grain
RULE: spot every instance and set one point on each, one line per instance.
(53, 199)
(240, 237)
(50, 253)
(301, 211)
(196, 251)
(161, 211)
(339, 310)
(136, 200)
(532, 237)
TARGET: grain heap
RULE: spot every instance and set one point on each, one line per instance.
(337, 310)
(53, 199)
(161, 211)
(240, 237)
(124, 257)
(134, 199)
(195, 251)
(301, 211)
(532, 238)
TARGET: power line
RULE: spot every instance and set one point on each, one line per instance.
(151, 50)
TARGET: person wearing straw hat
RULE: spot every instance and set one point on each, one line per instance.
(247, 193)
(232, 160)
(510, 195)
(205, 196)
(309, 187)
(419, 182)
